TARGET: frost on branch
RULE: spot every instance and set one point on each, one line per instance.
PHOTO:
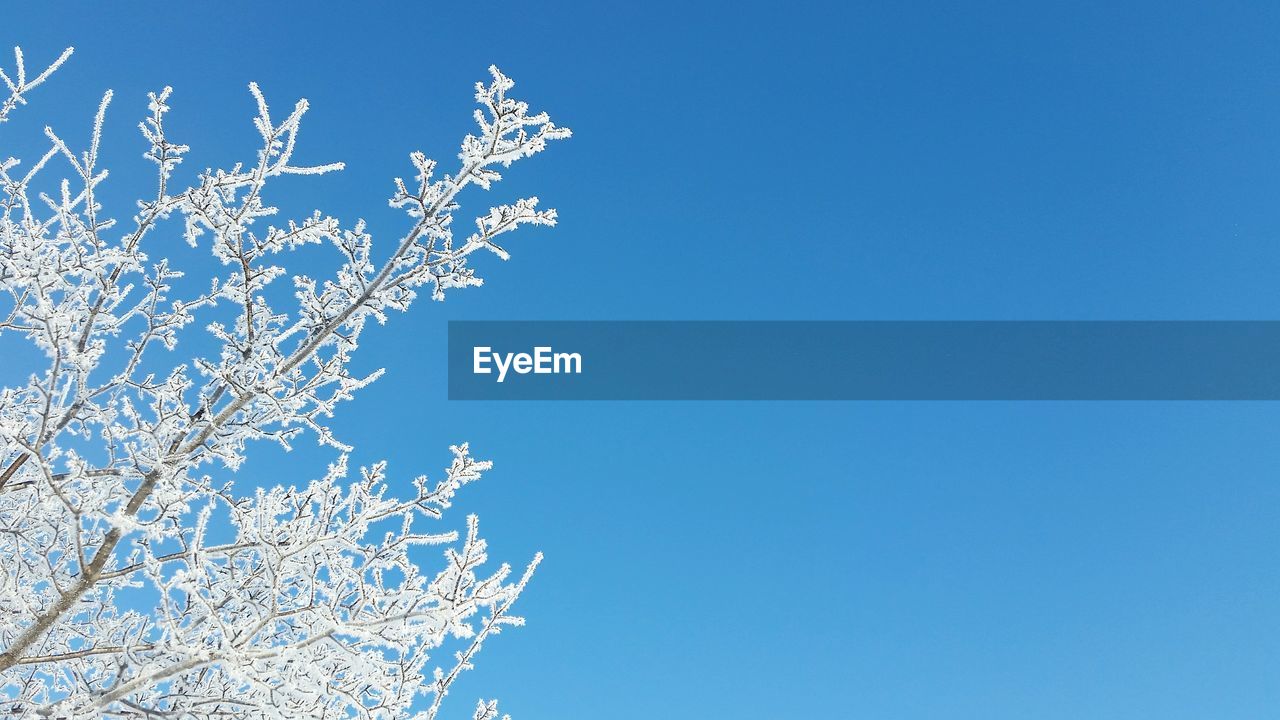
(19, 84)
(133, 582)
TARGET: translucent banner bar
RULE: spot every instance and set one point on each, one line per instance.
(865, 360)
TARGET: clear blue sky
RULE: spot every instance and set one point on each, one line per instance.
(1083, 160)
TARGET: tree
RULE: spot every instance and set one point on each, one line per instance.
(118, 597)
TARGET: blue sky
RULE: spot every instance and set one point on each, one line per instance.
(1103, 160)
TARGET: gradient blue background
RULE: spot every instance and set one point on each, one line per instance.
(1083, 160)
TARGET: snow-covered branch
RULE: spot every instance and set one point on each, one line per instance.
(118, 597)
(19, 84)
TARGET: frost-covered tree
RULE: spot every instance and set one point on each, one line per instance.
(135, 581)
